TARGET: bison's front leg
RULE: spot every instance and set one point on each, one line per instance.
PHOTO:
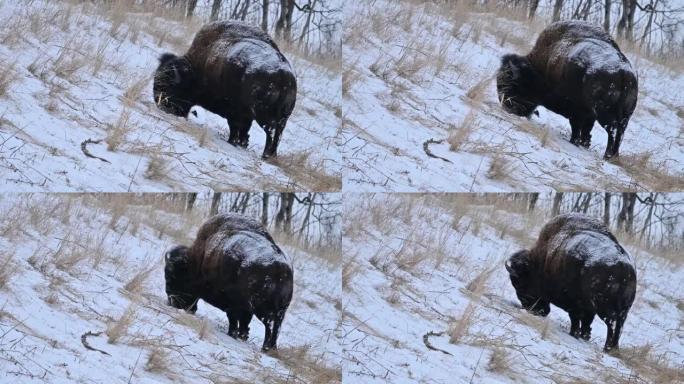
(575, 324)
(239, 130)
(243, 329)
(233, 321)
(585, 332)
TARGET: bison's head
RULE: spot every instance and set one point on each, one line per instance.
(178, 279)
(173, 85)
(525, 283)
(516, 84)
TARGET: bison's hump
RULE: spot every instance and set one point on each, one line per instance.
(254, 55)
(595, 248)
(598, 56)
(248, 248)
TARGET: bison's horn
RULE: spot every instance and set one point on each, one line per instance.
(508, 267)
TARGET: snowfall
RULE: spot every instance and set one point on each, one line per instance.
(76, 74)
(416, 74)
(421, 264)
(53, 303)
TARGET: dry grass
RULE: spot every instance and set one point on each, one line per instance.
(460, 328)
(649, 174)
(134, 90)
(651, 365)
(499, 362)
(158, 361)
(313, 176)
(116, 133)
(306, 367)
(8, 268)
(118, 328)
(137, 283)
(156, 169)
(8, 76)
(499, 168)
(459, 135)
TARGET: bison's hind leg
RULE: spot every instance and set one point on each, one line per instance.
(272, 323)
(614, 326)
(239, 130)
(273, 131)
(581, 131)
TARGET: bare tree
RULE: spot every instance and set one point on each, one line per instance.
(606, 15)
(625, 219)
(215, 201)
(557, 6)
(264, 15)
(264, 209)
(606, 209)
(557, 200)
(215, 9)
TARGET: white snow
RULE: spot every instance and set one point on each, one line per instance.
(45, 310)
(73, 66)
(416, 72)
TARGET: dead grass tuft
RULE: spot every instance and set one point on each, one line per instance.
(158, 361)
(118, 328)
(157, 168)
(116, 133)
(499, 167)
(7, 77)
(499, 361)
(7, 269)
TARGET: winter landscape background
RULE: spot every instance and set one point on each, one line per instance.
(420, 109)
(77, 77)
(427, 299)
(88, 269)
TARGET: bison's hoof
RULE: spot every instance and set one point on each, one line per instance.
(233, 142)
(585, 336)
(243, 336)
(575, 141)
(585, 143)
(233, 334)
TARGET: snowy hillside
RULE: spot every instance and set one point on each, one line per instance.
(421, 113)
(77, 80)
(422, 264)
(82, 300)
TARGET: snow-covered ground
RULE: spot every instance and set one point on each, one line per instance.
(419, 78)
(416, 264)
(73, 264)
(75, 72)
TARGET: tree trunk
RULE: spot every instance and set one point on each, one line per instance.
(606, 209)
(557, 6)
(264, 18)
(533, 201)
(606, 15)
(626, 217)
(264, 209)
(557, 200)
(283, 219)
(190, 8)
(533, 8)
(215, 9)
(190, 201)
(215, 201)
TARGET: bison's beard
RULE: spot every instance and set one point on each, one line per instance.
(183, 301)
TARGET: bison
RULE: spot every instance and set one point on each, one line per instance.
(579, 266)
(236, 266)
(236, 71)
(576, 70)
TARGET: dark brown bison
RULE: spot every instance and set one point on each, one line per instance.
(579, 266)
(236, 71)
(576, 70)
(234, 265)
